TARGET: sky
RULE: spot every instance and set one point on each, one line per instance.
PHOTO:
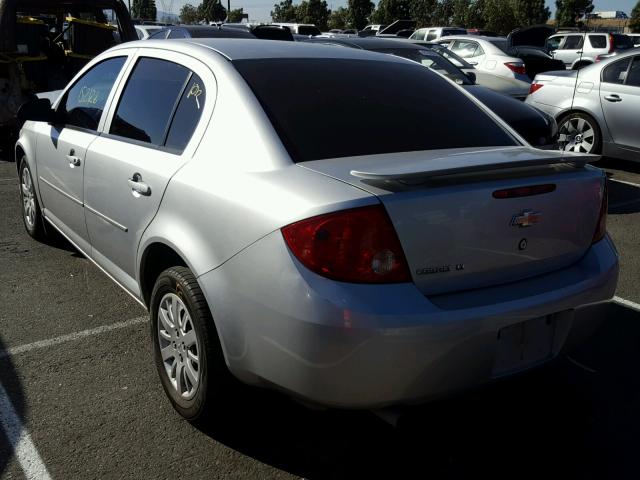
(259, 10)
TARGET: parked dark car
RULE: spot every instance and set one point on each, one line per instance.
(43, 44)
(538, 128)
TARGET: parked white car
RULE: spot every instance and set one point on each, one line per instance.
(145, 31)
(578, 50)
(597, 107)
(489, 57)
(431, 34)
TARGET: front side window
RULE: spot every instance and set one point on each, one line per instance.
(160, 105)
(616, 72)
(391, 107)
(84, 103)
(573, 42)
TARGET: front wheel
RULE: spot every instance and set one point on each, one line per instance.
(187, 350)
(578, 132)
(31, 213)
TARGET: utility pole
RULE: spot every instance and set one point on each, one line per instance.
(228, 8)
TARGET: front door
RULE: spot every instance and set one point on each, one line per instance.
(61, 148)
(620, 99)
(148, 137)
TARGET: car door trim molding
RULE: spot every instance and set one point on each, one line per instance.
(62, 192)
(106, 219)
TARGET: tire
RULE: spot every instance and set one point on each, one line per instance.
(572, 124)
(182, 334)
(31, 213)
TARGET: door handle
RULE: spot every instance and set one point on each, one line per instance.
(613, 98)
(73, 160)
(138, 187)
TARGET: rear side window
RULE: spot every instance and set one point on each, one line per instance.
(598, 41)
(419, 35)
(633, 78)
(573, 42)
(467, 49)
(391, 108)
(150, 99)
(177, 34)
(187, 114)
(85, 101)
(616, 72)
(432, 35)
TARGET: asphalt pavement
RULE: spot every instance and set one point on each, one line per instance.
(80, 396)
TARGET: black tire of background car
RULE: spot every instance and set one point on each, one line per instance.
(597, 144)
(37, 231)
(217, 387)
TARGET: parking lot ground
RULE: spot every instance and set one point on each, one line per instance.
(93, 407)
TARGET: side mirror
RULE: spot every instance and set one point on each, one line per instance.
(471, 76)
(37, 110)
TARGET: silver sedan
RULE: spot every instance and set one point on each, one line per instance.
(354, 260)
(597, 107)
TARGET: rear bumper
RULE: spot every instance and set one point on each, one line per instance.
(366, 346)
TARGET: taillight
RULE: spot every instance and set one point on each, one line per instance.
(358, 246)
(535, 87)
(516, 67)
(611, 45)
(601, 227)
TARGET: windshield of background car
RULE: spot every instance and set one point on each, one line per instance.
(431, 60)
(391, 108)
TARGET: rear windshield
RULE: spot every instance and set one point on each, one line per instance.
(622, 42)
(332, 108)
(308, 30)
(502, 45)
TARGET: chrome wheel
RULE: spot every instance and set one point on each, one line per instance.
(28, 199)
(179, 345)
(577, 134)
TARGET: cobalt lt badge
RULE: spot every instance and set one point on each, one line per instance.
(526, 219)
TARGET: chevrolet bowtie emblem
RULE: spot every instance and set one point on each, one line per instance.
(526, 218)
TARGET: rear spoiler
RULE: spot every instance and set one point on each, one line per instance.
(465, 164)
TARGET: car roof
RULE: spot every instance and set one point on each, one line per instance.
(473, 37)
(365, 42)
(254, 49)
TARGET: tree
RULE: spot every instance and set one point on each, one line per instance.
(212, 11)
(189, 14)
(530, 12)
(389, 11)
(499, 16)
(235, 15)
(444, 13)
(285, 11)
(314, 11)
(476, 17)
(634, 23)
(569, 12)
(338, 18)
(358, 13)
(145, 9)
(422, 11)
(460, 12)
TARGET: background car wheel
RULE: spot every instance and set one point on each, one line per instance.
(187, 350)
(578, 132)
(31, 214)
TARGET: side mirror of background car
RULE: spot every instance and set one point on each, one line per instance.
(471, 76)
(37, 110)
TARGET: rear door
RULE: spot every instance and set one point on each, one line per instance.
(62, 147)
(152, 130)
(570, 50)
(620, 99)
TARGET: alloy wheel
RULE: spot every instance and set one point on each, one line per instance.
(179, 346)
(28, 198)
(576, 134)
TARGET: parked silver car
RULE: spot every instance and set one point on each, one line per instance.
(577, 50)
(494, 65)
(597, 108)
(356, 260)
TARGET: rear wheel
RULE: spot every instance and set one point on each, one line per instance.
(579, 132)
(31, 214)
(187, 350)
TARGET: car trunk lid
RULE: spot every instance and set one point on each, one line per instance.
(456, 234)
